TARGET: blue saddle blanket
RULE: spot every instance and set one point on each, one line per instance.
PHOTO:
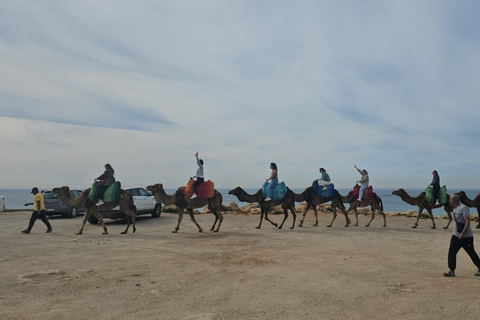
(278, 192)
(323, 193)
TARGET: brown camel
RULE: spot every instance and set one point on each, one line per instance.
(125, 203)
(183, 202)
(312, 200)
(422, 203)
(375, 204)
(287, 203)
(475, 203)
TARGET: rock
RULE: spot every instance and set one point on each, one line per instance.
(170, 208)
(206, 209)
(232, 206)
(247, 208)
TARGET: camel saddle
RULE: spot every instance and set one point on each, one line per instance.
(442, 195)
(323, 193)
(278, 192)
(367, 193)
(204, 190)
(112, 194)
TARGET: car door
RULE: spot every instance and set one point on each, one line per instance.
(137, 199)
(148, 200)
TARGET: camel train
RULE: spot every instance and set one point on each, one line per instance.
(183, 201)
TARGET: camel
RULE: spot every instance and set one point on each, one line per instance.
(288, 203)
(125, 203)
(312, 199)
(183, 202)
(475, 203)
(375, 204)
(422, 203)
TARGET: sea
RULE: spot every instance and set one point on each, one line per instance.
(15, 199)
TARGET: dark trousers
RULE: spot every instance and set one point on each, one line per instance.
(436, 193)
(455, 245)
(101, 192)
(197, 182)
(35, 216)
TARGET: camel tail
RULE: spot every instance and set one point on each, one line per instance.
(380, 202)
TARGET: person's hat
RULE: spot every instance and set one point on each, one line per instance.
(34, 189)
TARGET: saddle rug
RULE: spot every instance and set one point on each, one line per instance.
(204, 190)
(367, 193)
(323, 193)
(112, 194)
(442, 195)
(278, 192)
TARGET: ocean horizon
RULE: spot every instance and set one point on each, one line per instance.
(16, 198)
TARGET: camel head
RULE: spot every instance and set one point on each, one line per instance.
(235, 191)
(61, 191)
(461, 194)
(155, 188)
(398, 192)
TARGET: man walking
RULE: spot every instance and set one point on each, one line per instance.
(462, 236)
(38, 211)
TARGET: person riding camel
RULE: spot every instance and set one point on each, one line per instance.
(364, 181)
(435, 184)
(273, 180)
(324, 180)
(199, 177)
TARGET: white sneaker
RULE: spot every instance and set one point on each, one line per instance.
(437, 203)
(193, 196)
(324, 188)
(268, 199)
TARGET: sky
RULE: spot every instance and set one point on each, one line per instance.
(391, 86)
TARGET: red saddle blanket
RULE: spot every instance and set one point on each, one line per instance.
(204, 190)
(367, 193)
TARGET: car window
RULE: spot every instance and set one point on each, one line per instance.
(134, 192)
(74, 194)
(143, 192)
(50, 195)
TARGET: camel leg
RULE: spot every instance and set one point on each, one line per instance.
(447, 209)
(373, 217)
(84, 221)
(261, 218)
(356, 216)
(384, 217)
(100, 219)
(316, 216)
(273, 223)
(345, 213)
(285, 213)
(180, 217)
(431, 217)
(220, 218)
(305, 213)
(294, 214)
(216, 217)
(420, 209)
(192, 217)
(334, 216)
(131, 216)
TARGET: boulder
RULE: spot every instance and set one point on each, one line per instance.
(232, 206)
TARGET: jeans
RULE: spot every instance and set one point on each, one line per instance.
(197, 182)
(35, 216)
(360, 193)
(455, 245)
(272, 185)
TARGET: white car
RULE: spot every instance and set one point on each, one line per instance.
(143, 201)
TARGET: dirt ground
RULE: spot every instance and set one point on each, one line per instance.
(238, 273)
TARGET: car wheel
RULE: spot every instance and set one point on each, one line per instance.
(157, 211)
(93, 220)
(73, 213)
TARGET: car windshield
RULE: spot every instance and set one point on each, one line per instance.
(50, 195)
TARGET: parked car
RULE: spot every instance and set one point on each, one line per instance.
(53, 205)
(143, 201)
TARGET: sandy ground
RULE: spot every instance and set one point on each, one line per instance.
(239, 273)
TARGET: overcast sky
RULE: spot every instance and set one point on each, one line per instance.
(392, 86)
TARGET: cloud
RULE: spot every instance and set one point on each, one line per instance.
(387, 86)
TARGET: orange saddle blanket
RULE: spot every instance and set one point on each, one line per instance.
(204, 190)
